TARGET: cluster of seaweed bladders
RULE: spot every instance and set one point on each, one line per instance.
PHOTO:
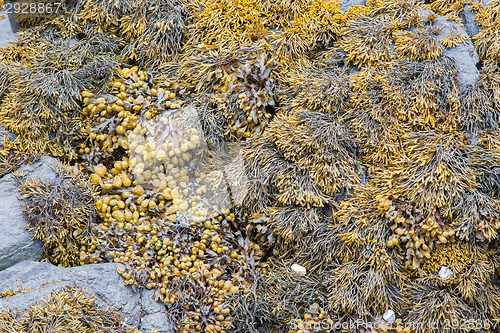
(216, 144)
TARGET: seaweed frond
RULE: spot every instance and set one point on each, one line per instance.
(61, 215)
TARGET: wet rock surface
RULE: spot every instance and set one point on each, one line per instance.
(31, 282)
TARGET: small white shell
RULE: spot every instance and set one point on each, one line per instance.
(389, 316)
(445, 273)
(299, 270)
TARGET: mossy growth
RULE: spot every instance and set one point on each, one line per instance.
(70, 311)
(60, 214)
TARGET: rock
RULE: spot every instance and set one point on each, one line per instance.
(6, 30)
(299, 270)
(389, 316)
(148, 304)
(464, 54)
(15, 26)
(469, 19)
(17, 244)
(38, 279)
(157, 321)
(345, 4)
(445, 273)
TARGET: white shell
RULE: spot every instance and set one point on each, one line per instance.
(389, 316)
(445, 273)
(300, 270)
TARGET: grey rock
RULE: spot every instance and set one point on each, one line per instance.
(6, 30)
(345, 4)
(148, 304)
(38, 279)
(158, 321)
(16, 242)
(42, 169)
(464, 54)
(469, 19)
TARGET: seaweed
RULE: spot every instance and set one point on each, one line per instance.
(61, 215)
(68, 310)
